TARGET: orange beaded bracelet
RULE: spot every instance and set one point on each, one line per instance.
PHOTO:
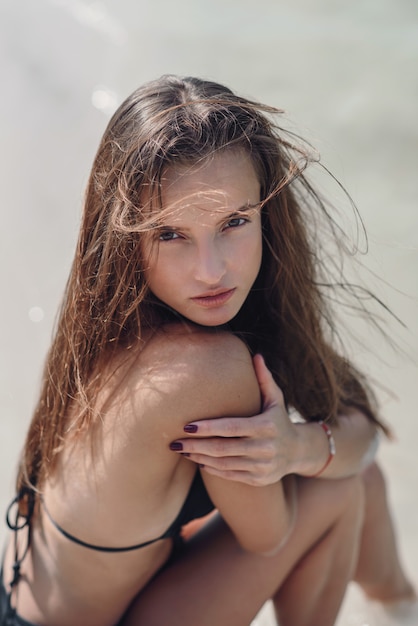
(331, 444)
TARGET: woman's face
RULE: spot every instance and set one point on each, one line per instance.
(206, 250)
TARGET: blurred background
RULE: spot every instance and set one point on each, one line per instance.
(347, 76)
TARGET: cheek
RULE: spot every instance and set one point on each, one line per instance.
(163, 276)
(254, 253)
(153, 273)
(149, 253)
(157, 277)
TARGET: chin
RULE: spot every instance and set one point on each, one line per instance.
(218, 320)
(213, 320)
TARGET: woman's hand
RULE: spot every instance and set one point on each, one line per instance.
(256, 450)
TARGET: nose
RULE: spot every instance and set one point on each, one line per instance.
(210, 263)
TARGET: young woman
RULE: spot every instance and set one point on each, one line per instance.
(192, 323)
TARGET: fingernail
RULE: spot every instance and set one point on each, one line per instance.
(201, 465)
(190, 428)
(176, 446)
(185, 454)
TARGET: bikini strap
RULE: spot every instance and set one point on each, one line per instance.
(93, 546)
(17, 520)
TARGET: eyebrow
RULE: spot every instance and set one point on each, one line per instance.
(242, 209)
(246, 207)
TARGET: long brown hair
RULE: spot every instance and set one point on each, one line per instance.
(107, 303)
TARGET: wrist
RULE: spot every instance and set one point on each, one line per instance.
(316, 449)
(331, 448)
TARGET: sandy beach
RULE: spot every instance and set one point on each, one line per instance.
(347, 76)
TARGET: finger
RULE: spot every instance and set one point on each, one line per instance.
(237, 476)
(255, 449)
(270, 391)
(221, 427)
(261, 469)
(233, 463)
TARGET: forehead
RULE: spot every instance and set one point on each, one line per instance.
(226, 181)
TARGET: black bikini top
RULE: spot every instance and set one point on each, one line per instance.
(197, 504)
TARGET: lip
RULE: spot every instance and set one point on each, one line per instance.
(212, 299)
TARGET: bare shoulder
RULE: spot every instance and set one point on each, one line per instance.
(206, 372)
(180, 373)
(188, 345)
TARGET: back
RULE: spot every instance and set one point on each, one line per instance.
(129, 487)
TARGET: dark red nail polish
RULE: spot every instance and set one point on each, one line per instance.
(185, 454)
(201, 465)
(190, 428)
(176, 446)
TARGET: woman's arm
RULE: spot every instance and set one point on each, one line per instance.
(267, 508)
(262, 449)
(202, 373)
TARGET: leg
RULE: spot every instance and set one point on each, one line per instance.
(216, 582)
(313, 592)
(379, 571)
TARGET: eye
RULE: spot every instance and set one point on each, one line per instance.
(168, 235)
(235, 222)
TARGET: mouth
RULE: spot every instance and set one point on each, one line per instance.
(214, 298)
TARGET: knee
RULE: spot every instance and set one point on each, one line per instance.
(349, 490)
(376, 493)
(373, 481)
(351, 496)
(340, 498)
(354, 508)
(355, 495)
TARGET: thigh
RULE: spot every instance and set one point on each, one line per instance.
(215, 581)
